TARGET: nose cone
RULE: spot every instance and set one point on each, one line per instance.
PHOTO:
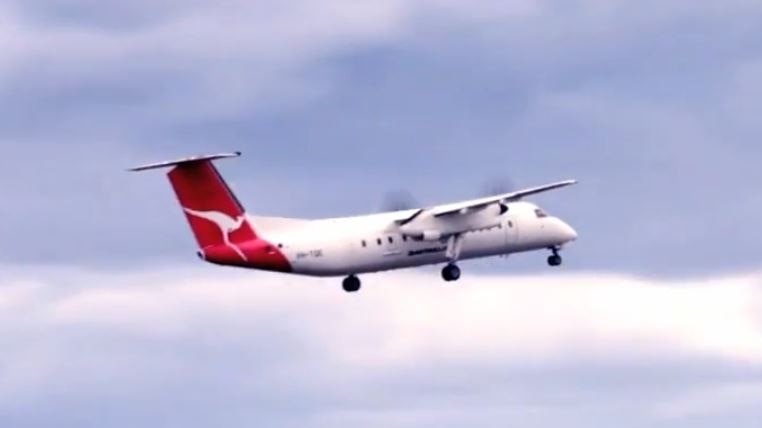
(566, 232)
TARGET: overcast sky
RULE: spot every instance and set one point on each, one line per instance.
(108, 319)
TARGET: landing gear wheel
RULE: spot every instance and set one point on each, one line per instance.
(351, 284)
(451, 272)
(555, 260)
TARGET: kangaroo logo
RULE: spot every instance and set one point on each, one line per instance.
(225, 223)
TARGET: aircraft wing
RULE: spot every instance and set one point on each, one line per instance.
(477, 204)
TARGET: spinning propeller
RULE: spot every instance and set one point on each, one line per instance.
(402, 199)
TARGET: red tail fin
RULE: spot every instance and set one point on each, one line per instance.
(214, 213)
(217, 218)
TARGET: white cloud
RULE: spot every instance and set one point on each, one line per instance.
(404, 316)
(95, 332)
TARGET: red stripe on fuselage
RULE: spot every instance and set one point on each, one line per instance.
(257, 254)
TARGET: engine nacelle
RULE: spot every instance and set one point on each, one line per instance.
(431, 235)
(424, 235)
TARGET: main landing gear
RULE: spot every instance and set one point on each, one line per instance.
(351, 284)
(555, 259)
(451, 272)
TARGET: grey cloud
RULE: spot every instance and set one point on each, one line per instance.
(649, 106)
(99, 16)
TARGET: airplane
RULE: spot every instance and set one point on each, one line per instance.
(349, 246)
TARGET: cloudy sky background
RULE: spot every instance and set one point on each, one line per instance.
(108, 320)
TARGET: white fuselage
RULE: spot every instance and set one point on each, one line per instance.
(354, 245)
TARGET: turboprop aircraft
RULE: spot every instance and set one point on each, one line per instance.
(349, 246)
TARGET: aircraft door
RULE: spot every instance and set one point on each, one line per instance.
(511, 227)
(392, 246)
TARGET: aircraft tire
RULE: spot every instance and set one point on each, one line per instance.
(351, 284)
(451, 272)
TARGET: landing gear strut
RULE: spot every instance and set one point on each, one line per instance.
(351, 284)
(555, 259)
(451, 272)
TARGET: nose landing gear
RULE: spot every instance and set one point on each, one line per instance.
(555, 259)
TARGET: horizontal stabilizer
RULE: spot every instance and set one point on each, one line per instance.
(188, 160)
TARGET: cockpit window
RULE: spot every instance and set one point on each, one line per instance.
(540, 213)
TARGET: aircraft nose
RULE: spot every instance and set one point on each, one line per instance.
(567, 232)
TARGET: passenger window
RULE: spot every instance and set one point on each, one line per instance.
(391, 240)
(364, 244)
(510, 223)
(378, 241)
